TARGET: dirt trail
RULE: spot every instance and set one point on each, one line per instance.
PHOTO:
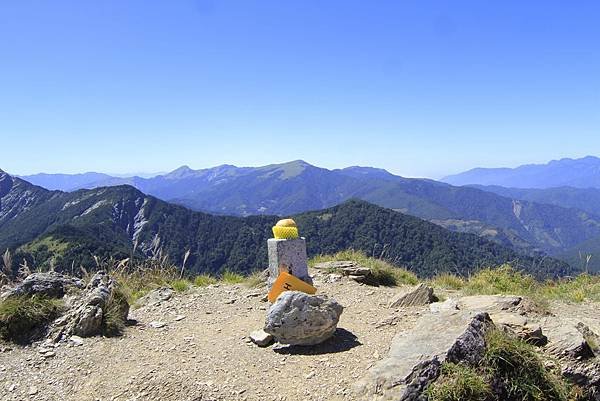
(204, 353)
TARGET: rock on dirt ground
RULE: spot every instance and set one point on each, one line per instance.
(197, 346)
(209, 355)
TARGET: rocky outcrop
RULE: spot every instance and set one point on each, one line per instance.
(491, 303)
(419, 296)
(50, 284)
(575, 347)
(86, 313)
(297, 318)
(415, 358)
(521, 326)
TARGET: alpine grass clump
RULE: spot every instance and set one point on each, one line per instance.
(510, 370)
(115, 316)
(204, 280)
(459, 382)
(230, 277)
(23, 318)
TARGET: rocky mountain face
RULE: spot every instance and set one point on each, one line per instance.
(578, 173)
(295, 187)
(68, 229)
(586, 199)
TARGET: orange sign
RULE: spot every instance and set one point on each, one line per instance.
(287, 282)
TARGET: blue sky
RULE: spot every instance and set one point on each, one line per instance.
(421, 88)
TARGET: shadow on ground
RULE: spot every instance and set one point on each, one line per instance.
(342, 340)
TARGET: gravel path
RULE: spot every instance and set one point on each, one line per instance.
(203, 352)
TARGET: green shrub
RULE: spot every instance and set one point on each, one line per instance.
(203, 280)
(459, 382)
(22, 318)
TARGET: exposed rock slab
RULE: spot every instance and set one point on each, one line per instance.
(415, 358)
(49, 284)
(491, 303)
(521, 326)
(297, 318)
(85, 316)
(419, 296)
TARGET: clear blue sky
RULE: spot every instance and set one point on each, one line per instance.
(421, 88)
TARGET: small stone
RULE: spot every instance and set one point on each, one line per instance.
(49, 354)
(32, 390)
(230, 301)
(76, 341)
(157, 325)
(333, 278)
(261, 338)
(179, 317)
(310, 375)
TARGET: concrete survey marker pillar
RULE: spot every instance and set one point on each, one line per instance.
(288, 255)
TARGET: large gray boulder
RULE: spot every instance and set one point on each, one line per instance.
(416, 357)
(86, 313)
(49, 284)
(297, 318)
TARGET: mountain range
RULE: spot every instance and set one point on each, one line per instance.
(577, 173)
(295, 187)
(67, 229)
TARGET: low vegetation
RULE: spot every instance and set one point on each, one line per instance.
(510, 369)
(114, 318)
(140, 277)
(21, 318)
(384, 272)
(507, 280)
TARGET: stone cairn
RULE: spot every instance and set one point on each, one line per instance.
(295, 317)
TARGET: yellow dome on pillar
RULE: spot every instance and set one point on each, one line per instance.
(285, 229)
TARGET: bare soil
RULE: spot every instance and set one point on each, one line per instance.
(204, 353)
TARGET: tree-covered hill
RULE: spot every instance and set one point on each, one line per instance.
(296, 187)
(69, 229)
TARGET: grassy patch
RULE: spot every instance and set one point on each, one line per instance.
(255, 280)
(204, 280)
(448, 281)
(384, 272)
(501, 280)
(518, 372)
(459, 382)
(510, 370)
(180, 285)
(24, 318)
(229, 277)
(115, 317)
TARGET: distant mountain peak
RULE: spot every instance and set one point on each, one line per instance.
(579, 173)
(180, 172)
